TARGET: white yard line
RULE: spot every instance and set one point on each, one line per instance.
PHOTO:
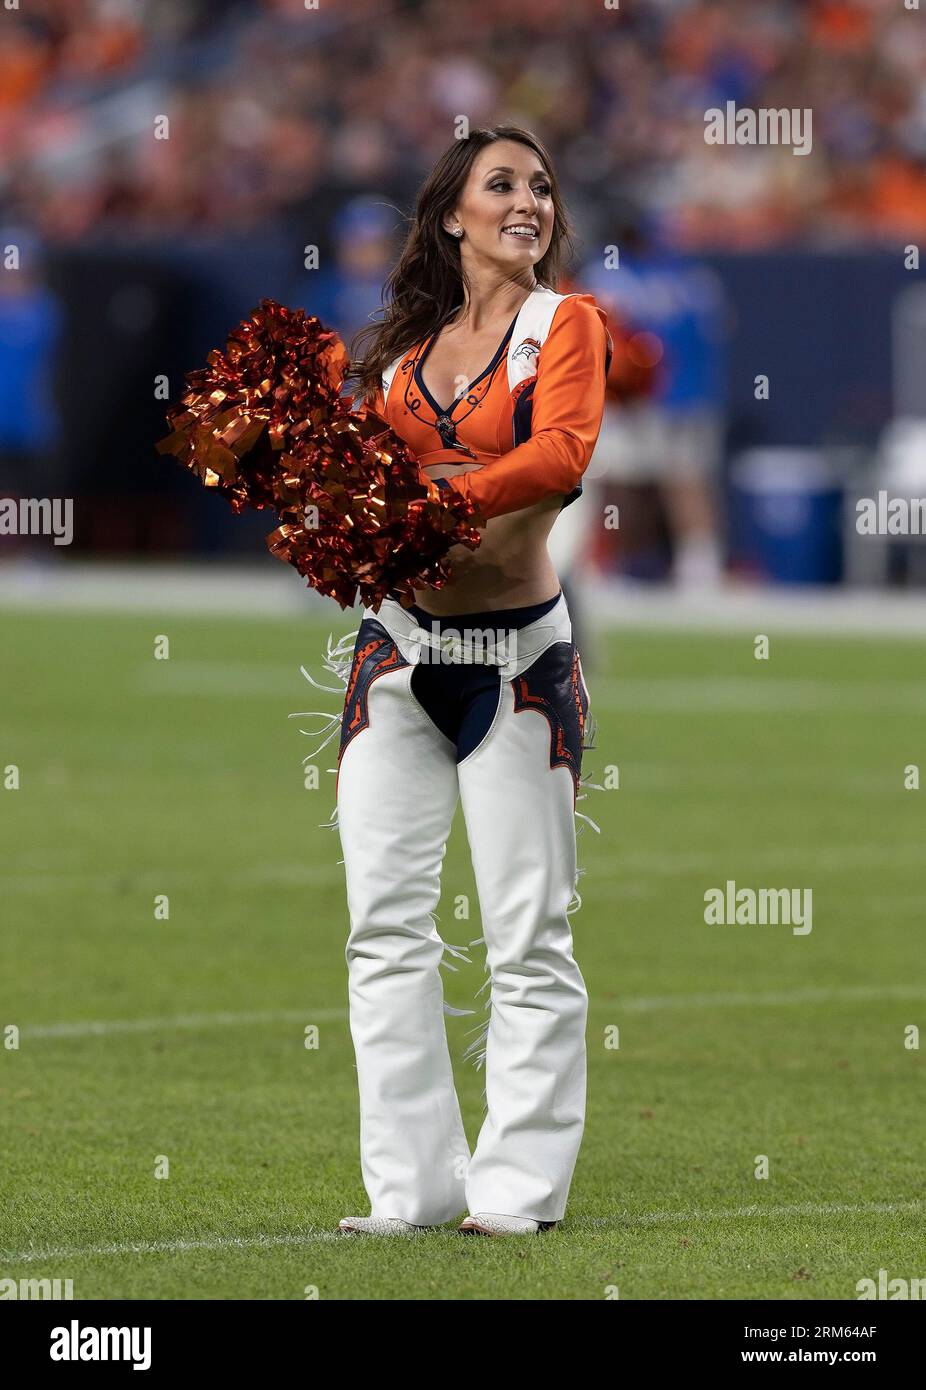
(775, 859)
(294, 875)
(657, 1218)
(168, 1247)
(770, 999)
(95, 1028)
(101, 1028)
(315, 1237)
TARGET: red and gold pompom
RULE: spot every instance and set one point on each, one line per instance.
(266, 426)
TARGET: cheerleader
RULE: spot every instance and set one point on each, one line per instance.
(476, 694)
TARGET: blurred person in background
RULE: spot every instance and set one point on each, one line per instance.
(31, 323)
(346, 296)
(578, 542)
(670, 429)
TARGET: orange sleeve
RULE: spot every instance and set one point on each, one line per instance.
(568, 405)
(378, 401)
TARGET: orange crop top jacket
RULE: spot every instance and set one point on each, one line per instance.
(531, 418)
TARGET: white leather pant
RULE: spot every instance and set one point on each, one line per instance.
(397, 788)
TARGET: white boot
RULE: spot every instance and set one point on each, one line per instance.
(492, 1223)
(377, 1226)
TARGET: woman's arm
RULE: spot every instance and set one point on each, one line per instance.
(568, 404)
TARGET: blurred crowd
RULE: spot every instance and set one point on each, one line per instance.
(278, 111)
(163, 163)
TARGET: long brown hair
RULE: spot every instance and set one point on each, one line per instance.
(427, 282)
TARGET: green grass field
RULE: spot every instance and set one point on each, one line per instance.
(184, 1037)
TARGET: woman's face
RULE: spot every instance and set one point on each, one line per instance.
(507, 187)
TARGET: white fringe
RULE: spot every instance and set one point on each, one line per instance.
(477, 1048)
(459, 953)
(338, 659)
(588, 744)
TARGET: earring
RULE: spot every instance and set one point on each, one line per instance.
(458, 231)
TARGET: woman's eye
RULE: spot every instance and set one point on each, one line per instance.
(542, 189)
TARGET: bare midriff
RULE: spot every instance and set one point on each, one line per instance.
(510, 568)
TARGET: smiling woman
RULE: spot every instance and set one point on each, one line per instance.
(496, 382)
